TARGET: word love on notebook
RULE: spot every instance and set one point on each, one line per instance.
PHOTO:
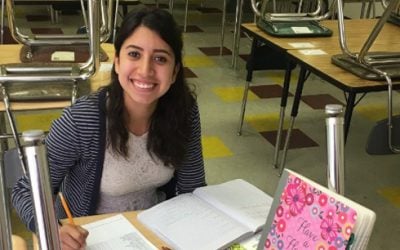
(307, 218)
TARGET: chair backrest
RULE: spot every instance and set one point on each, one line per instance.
(289, 10)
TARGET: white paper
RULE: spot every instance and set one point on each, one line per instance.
(115, 233)
(312, 52)
(301, 30)
(239, 199)
(187, 222)
(302, 45)
(63, 56)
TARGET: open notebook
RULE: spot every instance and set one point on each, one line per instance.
(212, 217)
(306, 215)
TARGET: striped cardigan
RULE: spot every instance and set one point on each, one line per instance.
(76, 148)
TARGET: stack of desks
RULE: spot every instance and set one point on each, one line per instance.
(10, 54)
(320, 64)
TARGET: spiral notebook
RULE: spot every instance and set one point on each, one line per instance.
(306, 215)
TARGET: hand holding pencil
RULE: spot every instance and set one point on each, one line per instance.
(72, 237)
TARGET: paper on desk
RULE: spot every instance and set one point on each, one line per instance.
(63, 56)
(312, 52)
(301, 30)
(302, 45)
(115, 233)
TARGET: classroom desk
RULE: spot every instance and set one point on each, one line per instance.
(131, 216)
(357, 31)
(10, 54)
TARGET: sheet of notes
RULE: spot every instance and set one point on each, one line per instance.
(115, 233)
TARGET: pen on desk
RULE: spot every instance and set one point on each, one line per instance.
(66, 208)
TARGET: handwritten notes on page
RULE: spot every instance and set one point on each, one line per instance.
(115, 233)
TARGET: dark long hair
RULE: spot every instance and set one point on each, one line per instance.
(170, 125)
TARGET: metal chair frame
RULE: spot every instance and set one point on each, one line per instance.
(53, 39)
(275, 15)
(52, 73)
(377, 63)
(271, 17)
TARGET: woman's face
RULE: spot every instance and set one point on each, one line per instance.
(145, 67)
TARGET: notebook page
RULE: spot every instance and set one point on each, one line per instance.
(240, 199)
(115, 233)
(187, 222)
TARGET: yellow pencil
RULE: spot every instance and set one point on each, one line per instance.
(66, 208)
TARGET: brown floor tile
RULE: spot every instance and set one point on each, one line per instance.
(214, 51)
(188, 73)
(297, 140)
(319, 101)
(244, 57)
(268, 91)
(37, 18)
(47, 31)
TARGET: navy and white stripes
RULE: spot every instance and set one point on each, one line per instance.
(76, 146)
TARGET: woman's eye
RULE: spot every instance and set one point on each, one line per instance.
(160, 59)
(134, 54)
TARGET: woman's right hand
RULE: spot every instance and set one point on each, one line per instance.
(73, 237)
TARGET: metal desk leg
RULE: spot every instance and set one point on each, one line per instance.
(236, 33)
(348, 113)
(285, 93)
(295, 109)
(223, 27)
(171, 6)
(249, 77)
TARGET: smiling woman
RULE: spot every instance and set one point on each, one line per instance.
(132, 144)
(146, 69)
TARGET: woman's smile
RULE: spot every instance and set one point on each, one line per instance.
(146, 85)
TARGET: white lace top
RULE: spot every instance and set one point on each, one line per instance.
(130, 184)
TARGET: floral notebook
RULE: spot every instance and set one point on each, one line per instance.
(307, 217)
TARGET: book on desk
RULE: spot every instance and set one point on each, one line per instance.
(212, 217)
(303, 215)
(306, 215)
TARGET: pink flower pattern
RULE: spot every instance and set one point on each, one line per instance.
(330, 220)
(295, 198)
(329, 229)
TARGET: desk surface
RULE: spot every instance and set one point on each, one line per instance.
(321, 65)
(357, 31)
(10, 54)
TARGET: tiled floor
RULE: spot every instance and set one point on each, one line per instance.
(373, 181)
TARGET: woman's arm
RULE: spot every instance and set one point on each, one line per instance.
(61, 144)
(191, 174)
